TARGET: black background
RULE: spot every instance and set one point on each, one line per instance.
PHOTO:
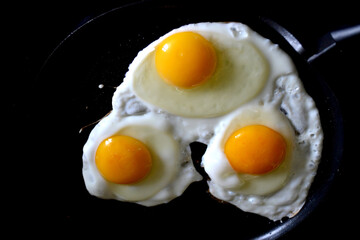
(32, 30)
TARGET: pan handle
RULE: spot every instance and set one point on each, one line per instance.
(326, 43)
(330, 40)
(346, 33)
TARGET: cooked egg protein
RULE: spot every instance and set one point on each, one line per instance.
(264, 156)
(223, 85)
(203, 65)
(136, 159)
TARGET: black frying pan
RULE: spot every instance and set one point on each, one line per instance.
(67, 97)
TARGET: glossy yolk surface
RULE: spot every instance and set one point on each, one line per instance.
(123, 159)
(185, 59)
(255, 149)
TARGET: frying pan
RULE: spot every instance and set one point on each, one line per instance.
(67, 97)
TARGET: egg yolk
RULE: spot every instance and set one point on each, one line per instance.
(123, 159)
(185, 59)
(255, 149)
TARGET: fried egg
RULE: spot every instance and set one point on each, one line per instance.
(210, 68)
(221, 84)
(136, 159)
(246, 165)
(262, 157)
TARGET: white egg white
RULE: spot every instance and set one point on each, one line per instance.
(280, 193)
(220, 170)
(281, 103)
(246, 61)
(172, 169)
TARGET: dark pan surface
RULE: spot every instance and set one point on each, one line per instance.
(67, 97)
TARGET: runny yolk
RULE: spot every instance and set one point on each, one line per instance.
(123, 159)
(255, 149)
(185, 59)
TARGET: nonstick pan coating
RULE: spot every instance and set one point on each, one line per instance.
(67, 97)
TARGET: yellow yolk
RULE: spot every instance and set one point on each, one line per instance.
(255, 149)
(185, 59)
(123, 159)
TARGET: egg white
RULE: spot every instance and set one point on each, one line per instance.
(219, 169)
(172, 170)
(282, 98)
(280, 193)
(246, 62)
